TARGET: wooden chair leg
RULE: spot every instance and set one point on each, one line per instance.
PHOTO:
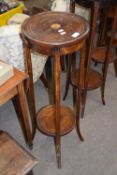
(44, 80)
(78, 105)
(25, 114)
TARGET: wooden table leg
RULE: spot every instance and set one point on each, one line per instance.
(81, 94)
(18, 111)
(50, 77)
(57, 106)
(31, 90)
(25, 114)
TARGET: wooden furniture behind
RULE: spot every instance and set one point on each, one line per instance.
(14, 159)
(14, 89)
(107, 54)
(94, 78)
(56, 34)
(103, 3)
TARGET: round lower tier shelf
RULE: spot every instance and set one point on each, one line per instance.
(46, 120)
(99, 54)
(94, 79)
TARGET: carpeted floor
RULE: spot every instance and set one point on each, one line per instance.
(97, 155)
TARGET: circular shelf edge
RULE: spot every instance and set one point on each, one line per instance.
(46, 120)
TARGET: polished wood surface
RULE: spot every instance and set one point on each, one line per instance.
(14, 159)
(107, 55)
(56, 34)
(48, 34)
(99, 54)
(13, 82)
(46, 120)
(13, 89)
(93, 76)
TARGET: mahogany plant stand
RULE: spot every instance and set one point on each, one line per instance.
(56, 34)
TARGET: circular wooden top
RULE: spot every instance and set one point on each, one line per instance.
(55, 28)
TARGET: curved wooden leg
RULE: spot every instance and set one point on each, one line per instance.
(115, 67)
(84, 94)
(106, 63)
(104, 70)
(102, 94)
(67, 78)
(44, 80)
(115, 64)
(74, 98)
(50, 78)
(78, 104)
(62, 63)
(24, 114)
